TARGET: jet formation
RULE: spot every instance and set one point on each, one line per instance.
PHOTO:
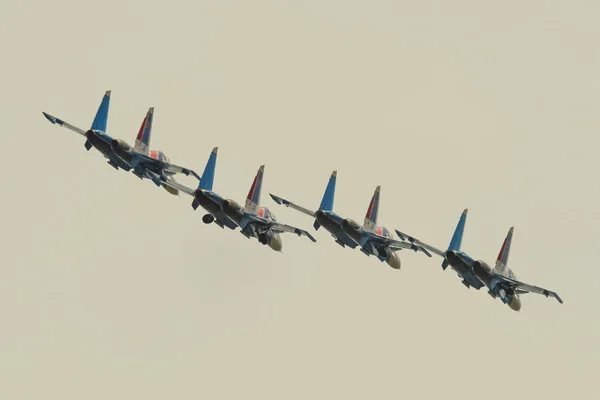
(259, 222)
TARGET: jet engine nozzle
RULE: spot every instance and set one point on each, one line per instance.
(350, 225)
(231, 205)
(232, 209)
(119, 146)
(482, 269)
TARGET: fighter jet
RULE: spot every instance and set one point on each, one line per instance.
(373, 239)
(501, 281)
(253, 220)
(142, 161)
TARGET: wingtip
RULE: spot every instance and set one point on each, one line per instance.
(107, 93)
(215, 150)
(151, 110)
(465, 211)
(261, 168)
(275, 198)
(334, 173)
(49, 117)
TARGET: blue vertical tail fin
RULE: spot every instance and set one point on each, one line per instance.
(456, 241)
(328, 196)
(101, 118)
(208, 176)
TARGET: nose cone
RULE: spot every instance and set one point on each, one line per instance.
(276, 243)
(394, 261)
(515, 304)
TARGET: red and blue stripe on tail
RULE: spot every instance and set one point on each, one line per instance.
(370, 222)
(502, 260)
(253, 198)
(142, 141)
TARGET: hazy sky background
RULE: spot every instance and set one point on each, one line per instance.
(110, 288)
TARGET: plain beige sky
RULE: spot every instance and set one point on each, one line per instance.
(110, 288)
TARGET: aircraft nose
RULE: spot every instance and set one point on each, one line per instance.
(515, 304)
(276, 243)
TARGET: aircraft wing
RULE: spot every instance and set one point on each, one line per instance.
(178, 186)
(64, 124)
(180, 170)
(289, 204)
(280, 228)
(166, 166)
(277, 227)
(525, 288)
(412, 240)
(398, 245)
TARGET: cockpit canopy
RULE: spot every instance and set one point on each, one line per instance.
(383, 231)
(264, 212)
(159, 155)
(510, 274)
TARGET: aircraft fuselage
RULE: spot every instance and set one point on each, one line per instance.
(463, 265)
(479, 274)
(333, 224)
(103, 143)
(372, 243)
(485, 273)
(262, 232)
